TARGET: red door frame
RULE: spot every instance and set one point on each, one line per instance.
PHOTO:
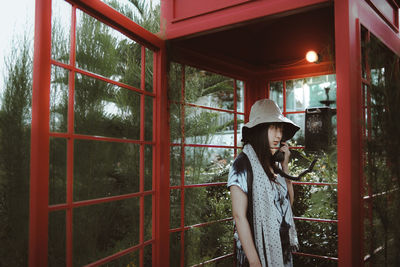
(40, 131)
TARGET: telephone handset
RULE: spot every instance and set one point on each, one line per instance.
(278, 157)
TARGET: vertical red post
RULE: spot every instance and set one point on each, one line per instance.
(162, 161)
(348, 74)
(39, 166)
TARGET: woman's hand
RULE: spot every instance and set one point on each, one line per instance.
(285, 148)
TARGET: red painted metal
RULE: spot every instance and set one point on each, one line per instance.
(142, 150)
(228, 16)
(349, 136)
(388, 11)
(214, 260)
(315, 219)
(100, 138)
(39, 162)
(316, 256)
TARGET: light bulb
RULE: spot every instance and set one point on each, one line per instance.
(312, 56)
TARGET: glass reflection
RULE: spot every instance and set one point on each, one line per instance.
(60, 31)
(206, 204)
(104, 109)
(175, 208)
(240, 96)
(104, 169)
(208, 89)
(276, 93)
(106, 228)
(207, 165)
(298, 119)
(102, 50)
(58, 171)
(59, 99)
(57, 235)
(203, 126)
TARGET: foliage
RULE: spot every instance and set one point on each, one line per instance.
(382, 169)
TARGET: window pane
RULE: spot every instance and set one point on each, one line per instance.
(175, 249)
(207, 165)
(102, 50)
(319, 238)
(148, 168)
(103, 109)
(175, 125)
(175, 82)
(59, 99)
(299, 120)
(148, 122)
(240, 96)
(276, 93)
(60, 31)
(104, 169)
(204, 126)
(310, 92)
(148, 17)
(104, 229)
(240, 123)
(206, 204)
(148, 217)
(57, 234)
(175, 165)
(148, 256)
(175, 208)
(58, 171)
(208, 89)
(208, 242)
(149, 70)
(130, 259)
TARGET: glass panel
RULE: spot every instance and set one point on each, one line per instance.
(105, 109)
(58, 171)
(207, 164)
(240, 96)
(148, 217)
(175, 249)
(240, 123)
(311, 92)
(175, 208)
(209, 127)
(57, 235)
(60, 31)
(59, 99)
(175, 165)
(148, 256)
(208, 242)
(104, 169)
(206, 204)
(102, 50)
(148, 122)
(149, 71)
(316, 201)
(128, 260)
(175, 82)
(104, 229)
(276, 93)
(208, 89)
(148, 168)
(298, 119)
(317, 238)
(299, 260)
(175, 123)
(144, 13)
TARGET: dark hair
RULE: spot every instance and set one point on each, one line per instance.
(257, 137)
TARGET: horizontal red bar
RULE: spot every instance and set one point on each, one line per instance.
(199, 225)
(99, 138)
(316, 256)
(380, 194)
(102, 78)
(315, 220)
(294, 112)
(196, 185)
(311, 183)
(120, 254)
(99, 200)
(214, 260)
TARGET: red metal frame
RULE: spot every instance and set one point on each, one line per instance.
(40, 207)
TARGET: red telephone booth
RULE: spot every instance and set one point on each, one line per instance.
(255, 49)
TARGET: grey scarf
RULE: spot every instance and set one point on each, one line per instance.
(266, 218)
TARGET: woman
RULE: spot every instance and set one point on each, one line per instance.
(261, 199)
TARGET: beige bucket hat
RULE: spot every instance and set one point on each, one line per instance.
(267, 111)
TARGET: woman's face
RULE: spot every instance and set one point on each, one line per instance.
(274, 136)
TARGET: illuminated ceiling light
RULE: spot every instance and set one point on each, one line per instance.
(312, 57)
